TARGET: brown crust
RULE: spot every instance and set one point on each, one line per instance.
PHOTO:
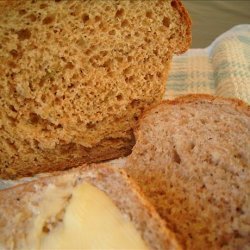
(140, 211)
(189, 98)
(185, 18)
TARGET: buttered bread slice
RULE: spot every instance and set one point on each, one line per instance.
(95, 208)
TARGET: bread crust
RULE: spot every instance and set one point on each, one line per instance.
(185, 19)
(189, 98)
(96, 154)
(136, 207)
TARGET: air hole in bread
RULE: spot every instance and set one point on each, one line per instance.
(42, 81)
(85, 18)
(112, 32)
(135, 103)
(107, 63)
(166, 22)
(136, 117)
(71, 86)
(32, 17)
(128, 36)
(103, 53)
(46, 229)
(90, 125)
(127, 71)
(58, 101)
(108, 8)
(31, 87)
(137, 34)
(119, 59)
(11, 120)
(97, 18)
(149, 14)
(238, 156)
(119, 97)
(12, 108)
(34, 118)
(101, 26)
(11, 144)
(239, 210)
(69, 65)
(159, 74)
(43, 98)
(129, 79)
(88, 52)
(176, 157)
(119, 13)
(203, 121)
(174, 4)
(14, 53)
(22, 12)
(155, 51)
(23, 34)
(60, 126)
(12, 65)
(125, 23)
(148, 77)
(43, 6)
(192, 145)
(130, 58)
(48, 20)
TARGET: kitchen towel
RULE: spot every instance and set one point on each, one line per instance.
(221, 69)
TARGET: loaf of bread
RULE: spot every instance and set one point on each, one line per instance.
(192, 160)
(75, 75)
(32, 211)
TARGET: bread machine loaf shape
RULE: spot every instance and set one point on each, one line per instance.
(75, 76)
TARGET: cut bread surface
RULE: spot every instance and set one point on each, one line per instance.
(75, 75)
(192, 160)
(30, 213)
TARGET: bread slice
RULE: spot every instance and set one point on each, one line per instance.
(75, 75)
(23, 206)
(192, 160)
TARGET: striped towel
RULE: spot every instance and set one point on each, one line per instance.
(221, 69)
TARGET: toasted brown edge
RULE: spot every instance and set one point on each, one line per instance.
(185, 18)
(168, 238)
(189, 98)
(94, 154)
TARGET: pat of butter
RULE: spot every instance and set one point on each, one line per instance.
(92, 221)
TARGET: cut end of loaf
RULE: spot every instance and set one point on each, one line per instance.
(79, 72)
(192, 159)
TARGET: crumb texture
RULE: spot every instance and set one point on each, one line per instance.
(192, 159)
(77, 73)
(29, 205)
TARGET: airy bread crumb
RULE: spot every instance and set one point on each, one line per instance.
(192, 160)
(75, 76)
